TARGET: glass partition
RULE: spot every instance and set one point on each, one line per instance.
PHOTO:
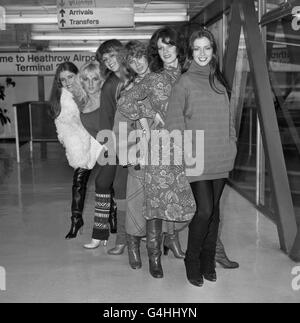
(243, 104)
(273, 4)
(251, 175)
(283, 53)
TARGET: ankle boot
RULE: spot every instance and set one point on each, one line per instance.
(95, 243)
(117, 250)
(171, 241)
(113, 217)
(133, 245)
(80, 179)
(221, 257)
(154, 239)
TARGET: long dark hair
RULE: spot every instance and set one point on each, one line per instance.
(55, 107)
(170, 36)
(215, 72)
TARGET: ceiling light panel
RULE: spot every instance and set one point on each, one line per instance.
(78, 36)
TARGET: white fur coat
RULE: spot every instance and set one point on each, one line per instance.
(82, 149)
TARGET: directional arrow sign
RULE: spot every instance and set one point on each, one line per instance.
(62, 22)
(95, 17)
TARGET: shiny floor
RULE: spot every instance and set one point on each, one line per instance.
(41, 266)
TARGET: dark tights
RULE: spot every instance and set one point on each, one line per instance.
(203, 229)
(105, 178)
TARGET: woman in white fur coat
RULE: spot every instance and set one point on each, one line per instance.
(82, 150)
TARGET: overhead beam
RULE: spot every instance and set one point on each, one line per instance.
(212, 12)
(232, 45)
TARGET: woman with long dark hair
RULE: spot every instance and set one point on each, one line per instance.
(199, 101)
(138, 67)
(165, 59)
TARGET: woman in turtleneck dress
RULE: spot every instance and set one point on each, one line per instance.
(199, 101)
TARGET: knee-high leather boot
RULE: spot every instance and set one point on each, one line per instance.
(154, 240)
(80, 179)
(133, 245)
(113, 216)
(221, 257)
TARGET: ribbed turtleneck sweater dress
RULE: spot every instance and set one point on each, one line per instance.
(194, 105)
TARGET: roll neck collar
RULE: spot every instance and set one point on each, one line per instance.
(201, 70)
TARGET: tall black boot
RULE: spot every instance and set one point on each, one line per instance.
(154, 240)
(113, 216)
(221, 257)
(133, 245)
(80, 179)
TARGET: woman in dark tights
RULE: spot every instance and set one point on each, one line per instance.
(199, 101)
(110, 177)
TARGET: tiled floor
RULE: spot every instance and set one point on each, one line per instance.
(41, 266)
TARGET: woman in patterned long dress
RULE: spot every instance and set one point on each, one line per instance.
(165, 62)
(136, 58)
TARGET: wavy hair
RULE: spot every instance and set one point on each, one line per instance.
(134, 49)
(169, 36)
(54, 100)
(111, 45)
(215, 72)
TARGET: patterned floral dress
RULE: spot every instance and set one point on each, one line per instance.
(168, 195)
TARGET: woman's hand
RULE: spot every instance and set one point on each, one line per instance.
(79, 95)
(158, 120)
(145, 128)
